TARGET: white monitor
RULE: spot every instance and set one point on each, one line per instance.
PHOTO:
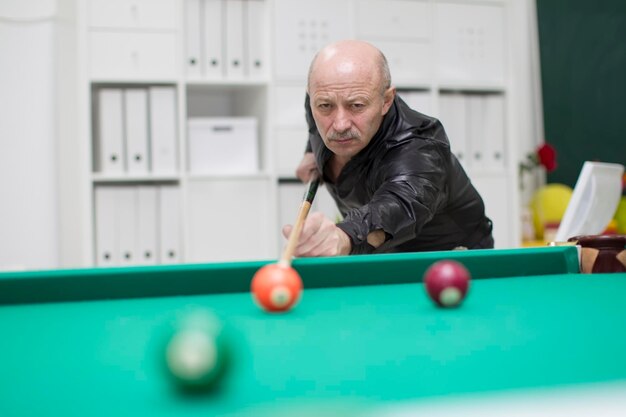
(594, 200)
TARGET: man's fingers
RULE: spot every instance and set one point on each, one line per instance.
(315, 235)
(319, 237)
(311, 226)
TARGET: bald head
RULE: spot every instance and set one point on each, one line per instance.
(350, 58)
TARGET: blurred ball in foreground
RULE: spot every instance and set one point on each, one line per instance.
(196, 354)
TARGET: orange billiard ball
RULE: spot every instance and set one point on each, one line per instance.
(276, 287)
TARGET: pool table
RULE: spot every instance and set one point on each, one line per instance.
(364, 335)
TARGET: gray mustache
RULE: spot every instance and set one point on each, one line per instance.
(343, 135)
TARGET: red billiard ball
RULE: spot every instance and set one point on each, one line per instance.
(447, 282)
(276, 287)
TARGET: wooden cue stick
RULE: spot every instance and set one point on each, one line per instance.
(309, 195)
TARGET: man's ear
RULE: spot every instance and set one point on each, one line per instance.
(388, 97)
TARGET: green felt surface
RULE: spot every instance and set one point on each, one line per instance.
(376, 343)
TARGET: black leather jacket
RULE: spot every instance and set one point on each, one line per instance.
(408, 183)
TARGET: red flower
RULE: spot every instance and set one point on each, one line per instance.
(544, 156)
(547, 157)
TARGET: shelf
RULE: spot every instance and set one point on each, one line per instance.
(228, 84)
(471, 87)
(99, 178)
(422, 86)
(230, 177)
(124, 81)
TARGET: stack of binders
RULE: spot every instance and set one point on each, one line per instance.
(136, 131)
(137, 225)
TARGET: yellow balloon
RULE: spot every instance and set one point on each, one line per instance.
(548, 205)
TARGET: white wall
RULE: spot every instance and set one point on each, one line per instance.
(28, 192)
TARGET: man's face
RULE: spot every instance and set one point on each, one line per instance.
(348, 107)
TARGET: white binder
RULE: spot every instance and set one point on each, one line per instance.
(255, 38)
(213, 38)
(169, 224)
(235, 63)
(136, 129)
(126, 225)
(107, 249)
(110, 150)
(147, 225)
(485, 131)
(452, 114)
(475, 117)
(163, 129)
(493, 145)
(193, 35)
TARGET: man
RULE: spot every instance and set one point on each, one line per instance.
(388, 168)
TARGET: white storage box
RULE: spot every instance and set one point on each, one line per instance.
(223, 145)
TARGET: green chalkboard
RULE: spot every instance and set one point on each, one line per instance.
(583, 69)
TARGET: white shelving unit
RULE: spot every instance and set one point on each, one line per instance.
(249, 58)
